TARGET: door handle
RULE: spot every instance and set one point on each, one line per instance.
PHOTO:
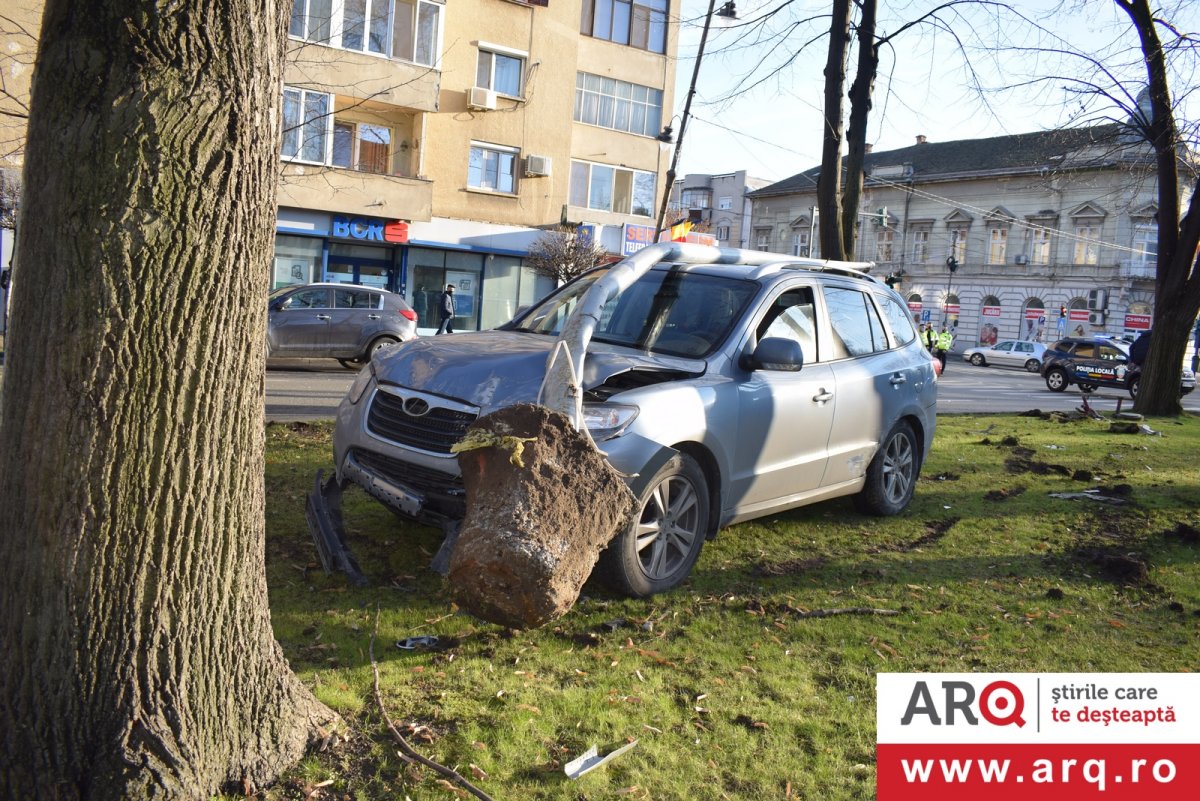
(899, 379)
(372, 316)
(822, 396)
(324, 317)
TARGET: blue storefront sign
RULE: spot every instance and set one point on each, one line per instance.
(636, 237)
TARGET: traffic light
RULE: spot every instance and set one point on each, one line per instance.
(952, 263)
(883, 217)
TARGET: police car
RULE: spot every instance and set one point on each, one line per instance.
(1093, 362)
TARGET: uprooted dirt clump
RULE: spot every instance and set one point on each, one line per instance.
(934, 531)
(1023, 464)
(542, 502)
(790, 567)
(1185, 533)
(1003, 494)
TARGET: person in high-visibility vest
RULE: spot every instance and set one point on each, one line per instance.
(944, 340)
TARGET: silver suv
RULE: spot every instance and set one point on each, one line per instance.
(726, 384)
(336, 321)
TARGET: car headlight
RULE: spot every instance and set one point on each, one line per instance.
(361, 382)
(607, 420)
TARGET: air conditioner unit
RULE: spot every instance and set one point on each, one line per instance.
(481, 99)
(537, 166)
(1095, 317)
(1021, 260)
(1097, 300)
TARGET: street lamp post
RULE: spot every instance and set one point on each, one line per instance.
(727, 11)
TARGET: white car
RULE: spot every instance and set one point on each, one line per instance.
(1008, 353)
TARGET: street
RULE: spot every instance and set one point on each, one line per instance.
(310, 389)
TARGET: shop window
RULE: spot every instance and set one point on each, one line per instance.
(297, 260)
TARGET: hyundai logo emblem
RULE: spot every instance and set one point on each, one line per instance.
(415, 407)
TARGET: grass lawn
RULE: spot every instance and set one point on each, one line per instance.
(731, 691)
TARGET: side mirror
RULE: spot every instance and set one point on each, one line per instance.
(278, 305)
(777, 353)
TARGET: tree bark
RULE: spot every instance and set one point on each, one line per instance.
(829, 184)
(856, 134)
(1177, 278)
(138, 659)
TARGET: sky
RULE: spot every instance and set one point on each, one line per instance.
(743, 117)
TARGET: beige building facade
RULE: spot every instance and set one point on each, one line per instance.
(460, 133)
(428, 142)
(1051, 233)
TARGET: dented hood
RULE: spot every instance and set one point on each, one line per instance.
(490, 369)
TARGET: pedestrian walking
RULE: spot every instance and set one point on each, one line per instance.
(944, 341)
(446, 310)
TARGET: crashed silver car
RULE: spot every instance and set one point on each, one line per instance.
(726, 384)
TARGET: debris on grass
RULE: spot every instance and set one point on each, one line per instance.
(591, 759)
(1091, 495)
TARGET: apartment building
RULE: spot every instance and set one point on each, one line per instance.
(431, 143)
(717, 204)
(428, 143)
(1050, 233)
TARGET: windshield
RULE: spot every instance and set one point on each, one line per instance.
(673, 312)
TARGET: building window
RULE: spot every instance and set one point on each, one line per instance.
(722, 233)
(762, 238)
(697, 199)
(640, 23)
(615, 104)
(500, 72)
(361, 146)
(615, 189)
(1087, 243)
(997, 245)
(958, 243)
(306, 123)
(800, 243)
(1145, 244)
(725, 203)
(1039, 246)
(492, 168)
(885, 242)
(403, 29)
(920, 246)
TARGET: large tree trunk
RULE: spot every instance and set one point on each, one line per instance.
(856, 135)
(138, 657)
(829, 184)
(1177, 279)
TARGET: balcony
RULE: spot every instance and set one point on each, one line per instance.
(318, 188)
(361, 76)
(1132, 269)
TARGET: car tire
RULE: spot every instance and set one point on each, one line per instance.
(1033, 366)
(892, 474)
(1133, 387)
(1056, 380)
(978, 360)
(350, 364)
(657, 551)
(378, 345)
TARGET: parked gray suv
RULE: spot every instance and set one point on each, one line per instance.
(346, 322)
(725, 391)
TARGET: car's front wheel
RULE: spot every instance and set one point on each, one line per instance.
(658, 550)
(978, 360)
(1033, 366)
(1056, 380)
(1133, 387)
(350, 364)
(892, 474)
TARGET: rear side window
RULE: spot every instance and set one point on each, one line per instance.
(356, 299)
(899, 320)
(1085, 350)
(857, 329)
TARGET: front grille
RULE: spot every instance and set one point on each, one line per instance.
(443, 493)
(434, 431)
